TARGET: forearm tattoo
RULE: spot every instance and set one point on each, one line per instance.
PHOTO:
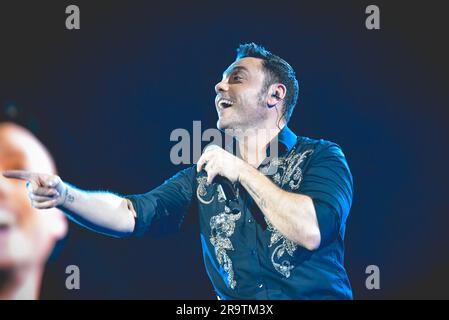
(68, 197)
(260, 201)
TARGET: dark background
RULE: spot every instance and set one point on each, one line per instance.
(105, 98)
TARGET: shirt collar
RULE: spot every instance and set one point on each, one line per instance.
(287, 139)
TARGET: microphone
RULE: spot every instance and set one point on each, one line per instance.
(232, 202)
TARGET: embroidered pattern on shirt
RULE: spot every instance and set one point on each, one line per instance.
(201, 190)
(289, 169)
(222, 228)
(220, 197)
(289, 173)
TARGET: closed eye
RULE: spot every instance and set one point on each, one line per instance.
(236, 77)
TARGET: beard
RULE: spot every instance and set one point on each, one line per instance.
(243, 117)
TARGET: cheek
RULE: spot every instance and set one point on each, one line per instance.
(35, 232)
(21, 200)
(253, 97)
(28, 218)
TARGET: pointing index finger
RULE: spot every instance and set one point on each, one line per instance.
(19, 174)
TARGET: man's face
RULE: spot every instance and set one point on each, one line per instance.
(27, 235)
(240, 102)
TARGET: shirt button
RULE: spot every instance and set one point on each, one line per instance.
(260, 285)
(250, 220)
(253, 252)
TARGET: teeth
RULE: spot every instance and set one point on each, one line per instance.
(226, 103)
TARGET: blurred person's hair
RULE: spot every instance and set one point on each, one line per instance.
(11, 112)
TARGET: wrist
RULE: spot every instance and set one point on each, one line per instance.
(244, 172)
(64, 194)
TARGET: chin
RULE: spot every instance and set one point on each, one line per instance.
(221, 125)
(18, 250)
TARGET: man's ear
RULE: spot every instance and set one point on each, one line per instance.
(276, 94)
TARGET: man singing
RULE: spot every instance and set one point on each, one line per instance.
(284, 237)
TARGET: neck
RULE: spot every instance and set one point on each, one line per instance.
(20, 284)
(253, 144)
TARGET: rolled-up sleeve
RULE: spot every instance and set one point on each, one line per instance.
(162, 210)
(328, 181)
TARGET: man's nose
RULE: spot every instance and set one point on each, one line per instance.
(221, 86)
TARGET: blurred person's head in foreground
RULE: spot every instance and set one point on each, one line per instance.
(27, 235)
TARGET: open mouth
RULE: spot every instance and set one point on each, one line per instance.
(4, 227)
(225, 103)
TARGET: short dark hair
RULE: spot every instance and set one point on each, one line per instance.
(277, 70)
(10, 112)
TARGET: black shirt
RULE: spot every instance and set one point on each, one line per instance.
(244, 255)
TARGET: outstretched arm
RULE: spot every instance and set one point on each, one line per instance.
(102, 212)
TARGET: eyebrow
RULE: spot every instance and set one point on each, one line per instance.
(236, 68)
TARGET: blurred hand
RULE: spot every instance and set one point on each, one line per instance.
(45, 190)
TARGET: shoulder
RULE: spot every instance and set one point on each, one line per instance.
(187, 174)
(319, 147)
